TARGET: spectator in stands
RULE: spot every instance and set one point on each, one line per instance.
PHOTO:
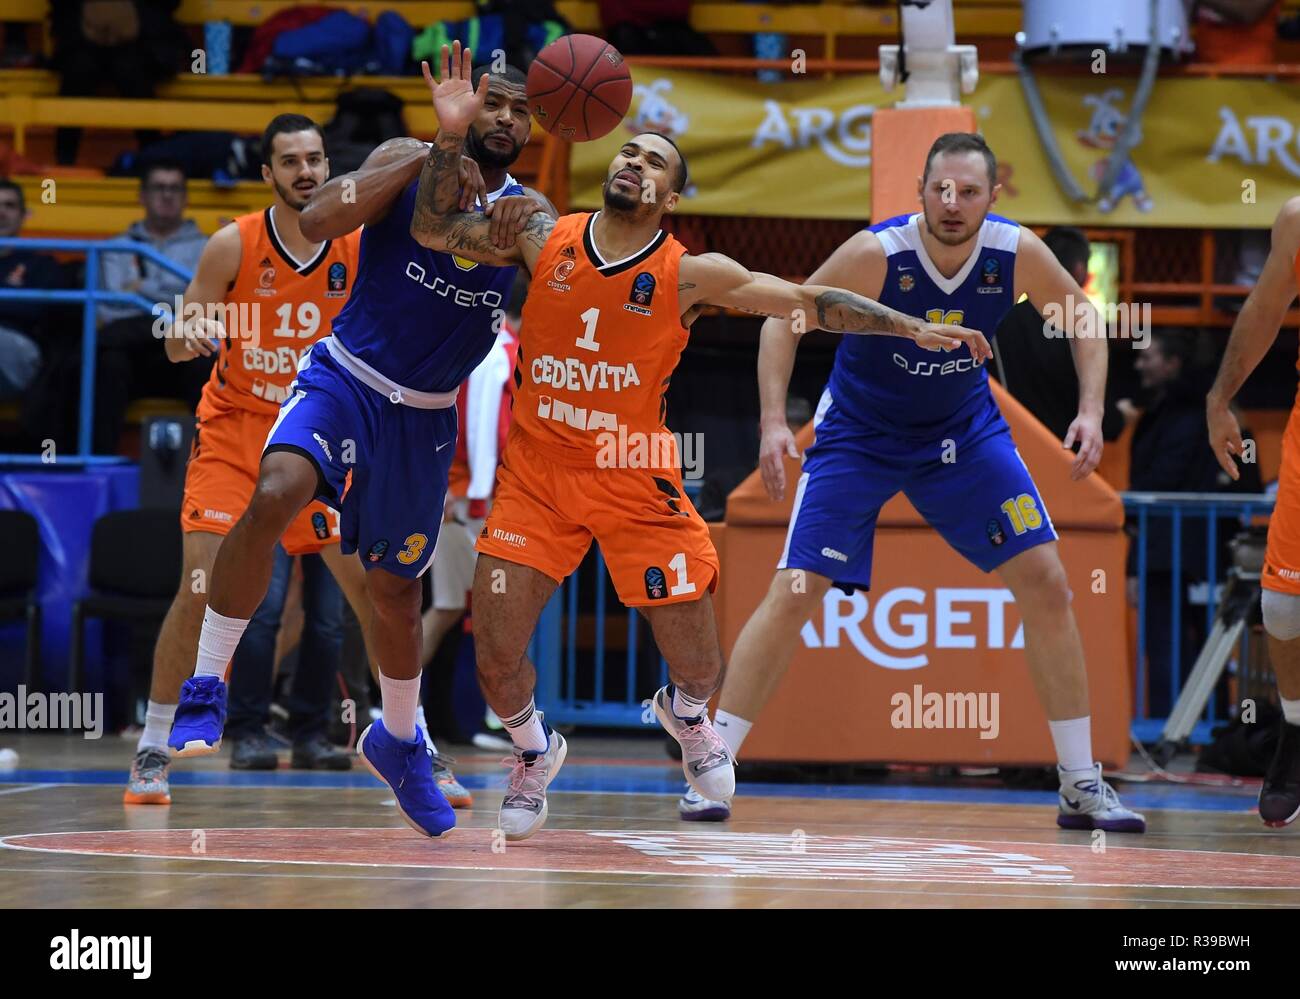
(20, 322)
(131, 361)
(1039, 369)
(131, 45)
(1234, 32)
(1170, 453)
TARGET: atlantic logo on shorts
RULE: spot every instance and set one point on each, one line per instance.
(217, 515)
(509, 537)
(908, 620)
(323, 446)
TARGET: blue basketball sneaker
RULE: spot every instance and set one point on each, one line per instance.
(404, 767)
(200, 717)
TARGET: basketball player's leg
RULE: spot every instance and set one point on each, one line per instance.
(1279, 798)
(527, 547)
(985, 505)
(173, 660)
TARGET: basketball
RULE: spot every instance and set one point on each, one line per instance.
(579, 88)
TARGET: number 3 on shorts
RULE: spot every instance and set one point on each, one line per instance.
(414, 549)
(1023, 513)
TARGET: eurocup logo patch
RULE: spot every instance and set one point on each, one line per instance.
(378, 550)
(656, 584)
(338, 276)
(994, 530)
(992, 271)
(643, 289)
(320, 525)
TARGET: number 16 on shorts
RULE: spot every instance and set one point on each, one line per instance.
(1023, 513)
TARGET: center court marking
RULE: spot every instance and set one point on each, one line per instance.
(698, 854)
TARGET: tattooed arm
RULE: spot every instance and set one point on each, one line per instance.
(713, 279)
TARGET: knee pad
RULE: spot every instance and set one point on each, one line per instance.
(1281, 615)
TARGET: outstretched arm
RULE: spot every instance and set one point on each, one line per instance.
(714, 279)
(1254, 331)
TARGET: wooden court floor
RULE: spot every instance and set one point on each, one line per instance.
(295, 839)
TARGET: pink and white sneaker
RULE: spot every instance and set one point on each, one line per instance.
(707, 762)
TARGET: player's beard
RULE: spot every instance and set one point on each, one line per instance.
(295, 199)
(953, 239)
(485, 156)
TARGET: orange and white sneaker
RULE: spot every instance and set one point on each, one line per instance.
(148, 782)
(454, 791)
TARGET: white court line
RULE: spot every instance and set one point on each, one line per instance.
(671, 886)
(27, 787)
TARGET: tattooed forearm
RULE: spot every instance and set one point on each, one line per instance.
(845, 312)
(439, 190)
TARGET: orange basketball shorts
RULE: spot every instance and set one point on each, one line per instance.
(544, 515)
(222, 473)
(1282, 558)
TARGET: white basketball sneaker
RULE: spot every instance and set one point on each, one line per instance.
(524, 808)
(692, 808)
(707, 762)
(1088, 802)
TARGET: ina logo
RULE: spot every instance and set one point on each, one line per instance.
(643, 289)
(656, 584)
(992, 270)
(378, 550)
(320, 525)
(906, 282)
(994, 530)
(338, 276)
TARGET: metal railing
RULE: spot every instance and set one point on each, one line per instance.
(1218, 511)
(90, 296)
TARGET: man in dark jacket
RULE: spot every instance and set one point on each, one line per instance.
(1170, 454)
(20, 322)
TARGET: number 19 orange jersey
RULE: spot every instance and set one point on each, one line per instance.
(600, 341)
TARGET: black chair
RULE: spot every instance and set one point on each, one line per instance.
(20, 541)
(135, 565)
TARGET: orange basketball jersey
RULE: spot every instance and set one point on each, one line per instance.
(598, 343)
(276, 309)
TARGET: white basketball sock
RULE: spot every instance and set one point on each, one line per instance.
(686, 706)
(217, 643)
(1073, 741)
(158, 720)
(733, 730)
(424, 727)
(401, 702)
(526, 730)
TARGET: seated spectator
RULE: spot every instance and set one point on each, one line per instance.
(20, 322)
(1039, 369)
(130, 45)
(131, 362)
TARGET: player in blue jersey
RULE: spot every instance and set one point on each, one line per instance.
(370, 427)
(895, 418)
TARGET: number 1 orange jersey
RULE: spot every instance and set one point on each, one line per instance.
(588, 454)
(276, 309)
(599, 342)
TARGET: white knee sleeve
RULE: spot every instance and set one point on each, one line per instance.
(1281, 615)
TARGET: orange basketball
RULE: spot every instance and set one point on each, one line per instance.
(579, 88)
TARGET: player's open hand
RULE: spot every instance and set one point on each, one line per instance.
(1086, 432)
(1225, 436)
(777, 445)
(942, 336)
(455, 100)
(201, 337)
(509, 215)
(473, 189)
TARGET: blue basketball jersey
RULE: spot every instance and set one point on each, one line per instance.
(421, 318)
(890, 381)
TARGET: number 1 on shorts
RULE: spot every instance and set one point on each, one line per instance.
(679, 564)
